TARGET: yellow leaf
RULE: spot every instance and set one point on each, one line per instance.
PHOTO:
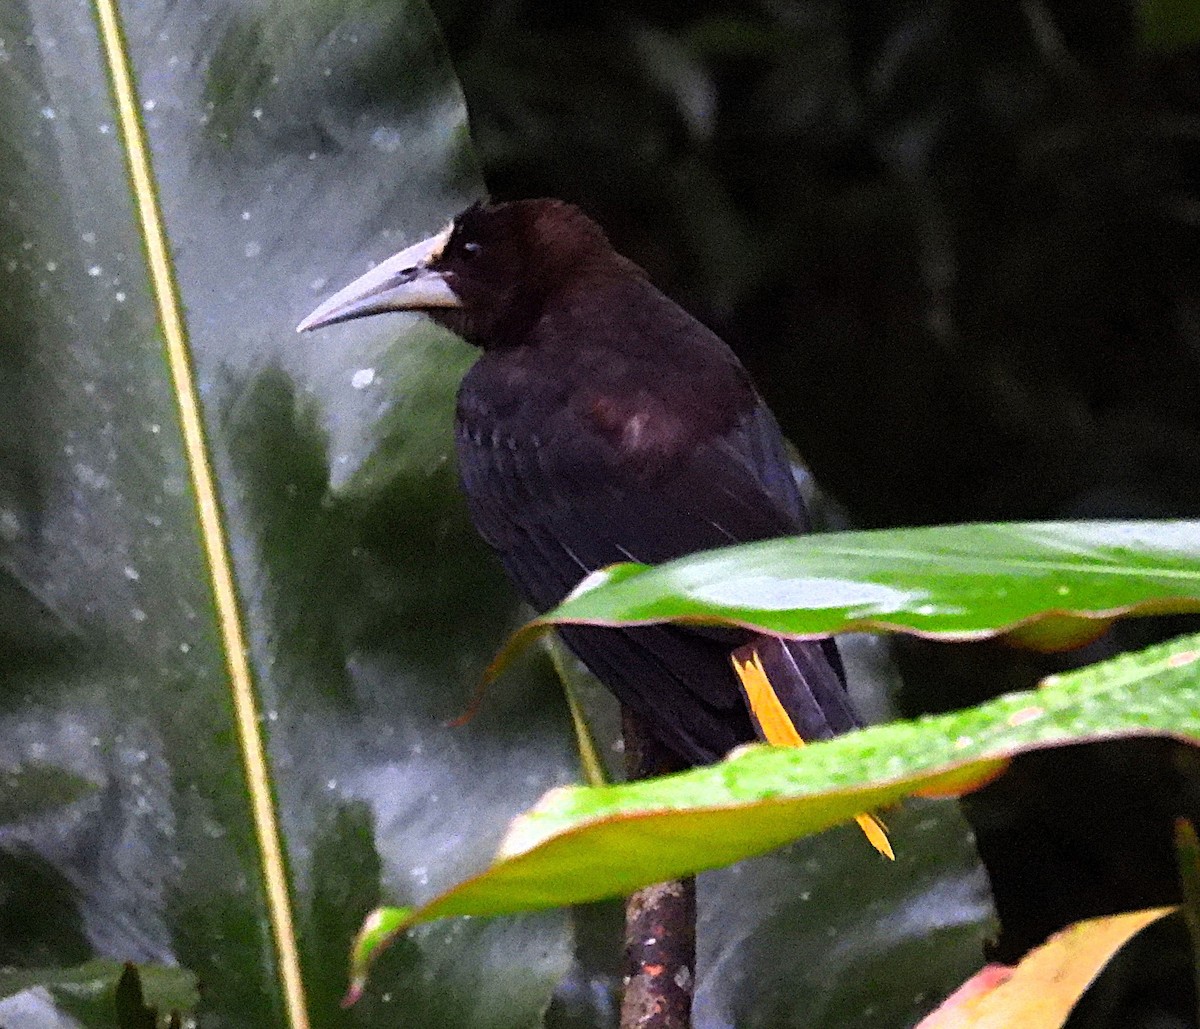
(1040, 992)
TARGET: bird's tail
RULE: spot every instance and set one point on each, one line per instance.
(775, 725)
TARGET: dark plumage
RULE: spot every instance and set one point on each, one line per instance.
(602, 423)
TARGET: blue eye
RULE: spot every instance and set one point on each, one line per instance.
(472, 248)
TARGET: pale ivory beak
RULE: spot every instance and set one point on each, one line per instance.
(404, 282)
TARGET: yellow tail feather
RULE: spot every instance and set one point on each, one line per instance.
(778, 729)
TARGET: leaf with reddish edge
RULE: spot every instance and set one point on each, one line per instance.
(1049, 585)
(1054, 633)
(955, 1010)
(1040, 992)
(973, 777)
(583, 843)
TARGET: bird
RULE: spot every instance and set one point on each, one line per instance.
(602, 423)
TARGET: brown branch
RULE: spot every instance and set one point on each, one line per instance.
(660, 920)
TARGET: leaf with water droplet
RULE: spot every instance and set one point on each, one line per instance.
(1049, 585)
(581, 843)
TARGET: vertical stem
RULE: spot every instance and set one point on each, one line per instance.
(1187, 856)
(660, 920)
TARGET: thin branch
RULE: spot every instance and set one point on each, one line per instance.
(660, 920)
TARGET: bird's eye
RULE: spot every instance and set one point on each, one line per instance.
(471, 249)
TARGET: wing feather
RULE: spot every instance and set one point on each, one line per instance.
(561, 504)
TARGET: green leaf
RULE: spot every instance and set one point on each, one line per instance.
(1169, 24)
(833, 923)
(918, 925)
(238, 590)
(164, 988)
(955, 582)
(1187, 856)
(32, 788)
(582, 843)
(94, 991)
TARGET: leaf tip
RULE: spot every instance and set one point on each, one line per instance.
(515, 643)
(379, 928)
(354, 993)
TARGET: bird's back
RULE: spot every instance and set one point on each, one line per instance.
(623, 430)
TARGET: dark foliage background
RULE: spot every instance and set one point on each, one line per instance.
(957, 246)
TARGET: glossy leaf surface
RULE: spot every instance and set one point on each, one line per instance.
(580, 843)
(906, 932)
(288, 144)
(952, 582)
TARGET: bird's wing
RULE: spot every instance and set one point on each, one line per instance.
(559, 505)
(563, 505)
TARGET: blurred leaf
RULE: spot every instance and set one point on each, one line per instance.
(1169, 24)
(33, 787)
(954, 582)
(1040, 992)
(582, 843)
(95, 992)
(166, 988)
(1187, 850)
(288, 145)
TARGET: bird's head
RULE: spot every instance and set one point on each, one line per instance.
(486, 275)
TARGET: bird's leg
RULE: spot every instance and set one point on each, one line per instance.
(660, 920)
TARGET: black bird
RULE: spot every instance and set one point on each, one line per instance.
(602, 423)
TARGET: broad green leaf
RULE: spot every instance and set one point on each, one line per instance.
(581, 843)
(955, 582)
(907, 932)
(821, 934)
(239, 592)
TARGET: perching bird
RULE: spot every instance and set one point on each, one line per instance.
(602, 423)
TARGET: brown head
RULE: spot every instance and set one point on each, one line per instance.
(487, 275)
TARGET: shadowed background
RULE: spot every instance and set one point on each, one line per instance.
(957, 247)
